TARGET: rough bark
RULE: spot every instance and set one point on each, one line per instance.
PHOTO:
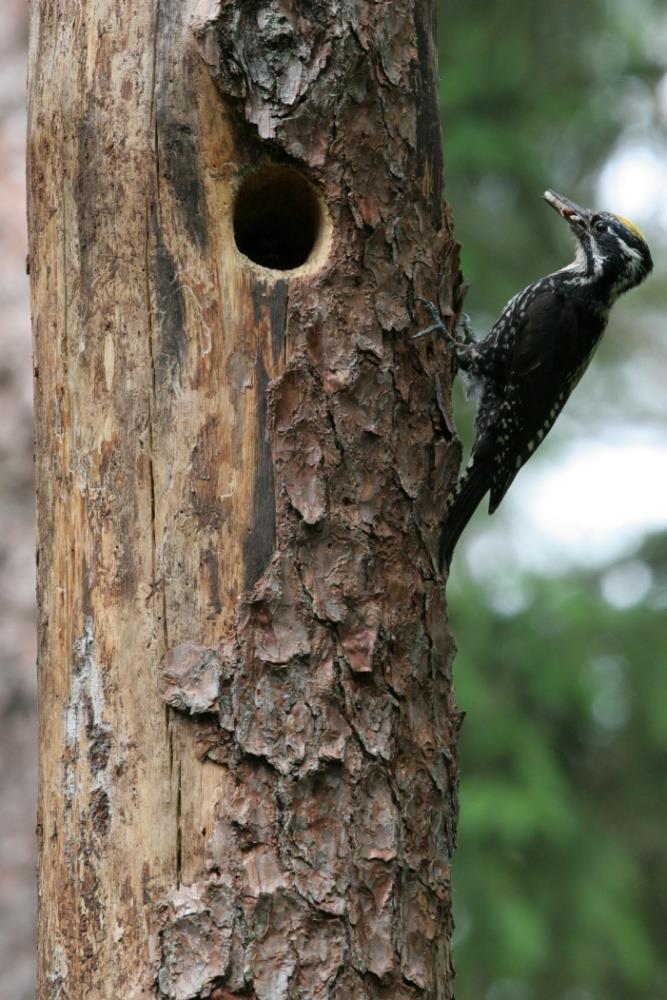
(241, 472)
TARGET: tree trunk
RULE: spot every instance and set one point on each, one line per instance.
(242, 462)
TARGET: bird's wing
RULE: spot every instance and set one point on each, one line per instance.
(547, 346)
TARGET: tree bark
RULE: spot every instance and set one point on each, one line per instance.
(247, 726)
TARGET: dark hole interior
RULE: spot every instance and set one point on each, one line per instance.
(276, 218)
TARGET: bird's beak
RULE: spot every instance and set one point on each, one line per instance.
(567, 209)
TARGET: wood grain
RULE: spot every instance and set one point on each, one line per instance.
(254, 461)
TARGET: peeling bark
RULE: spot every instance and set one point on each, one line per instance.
(242, 467)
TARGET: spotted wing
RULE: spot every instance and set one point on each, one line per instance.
(552, 345)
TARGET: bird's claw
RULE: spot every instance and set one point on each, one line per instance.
(468, 332)
(437, 321)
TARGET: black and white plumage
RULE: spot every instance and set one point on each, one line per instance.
(537, 351)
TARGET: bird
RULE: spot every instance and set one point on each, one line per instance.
(523, 372)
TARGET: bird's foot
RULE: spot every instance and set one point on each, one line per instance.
(465, 326)
(437, 322)
(463, 349)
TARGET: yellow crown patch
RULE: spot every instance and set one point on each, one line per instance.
(635, 230)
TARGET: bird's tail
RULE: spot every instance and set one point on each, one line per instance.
(467, 496)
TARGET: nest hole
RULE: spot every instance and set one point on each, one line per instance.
(278, 218)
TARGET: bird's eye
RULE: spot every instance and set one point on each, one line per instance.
(600, 226)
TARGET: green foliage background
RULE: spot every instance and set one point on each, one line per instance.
(561, 874)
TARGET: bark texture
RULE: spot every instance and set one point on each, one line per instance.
(241, 474)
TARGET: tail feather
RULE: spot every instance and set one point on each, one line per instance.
(464, 502)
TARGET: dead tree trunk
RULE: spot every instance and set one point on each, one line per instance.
(242, 462)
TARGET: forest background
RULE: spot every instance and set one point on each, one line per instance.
(558, 602)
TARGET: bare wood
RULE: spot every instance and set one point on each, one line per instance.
(253, 460)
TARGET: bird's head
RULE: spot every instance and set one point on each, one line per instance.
(609, 247)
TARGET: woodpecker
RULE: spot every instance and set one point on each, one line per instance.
(525, 369)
